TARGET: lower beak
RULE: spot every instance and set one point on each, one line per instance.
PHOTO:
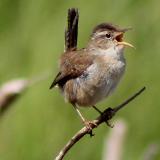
(125, 44)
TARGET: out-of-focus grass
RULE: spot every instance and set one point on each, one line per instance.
(32, 39)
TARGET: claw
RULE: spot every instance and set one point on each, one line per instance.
(101, 113)
(109, 124)
(89, 125)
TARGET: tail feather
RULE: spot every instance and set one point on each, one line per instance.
(71, 33)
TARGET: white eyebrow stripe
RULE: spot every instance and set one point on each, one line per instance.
(101, 33)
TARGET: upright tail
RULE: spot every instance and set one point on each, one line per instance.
(71, 32)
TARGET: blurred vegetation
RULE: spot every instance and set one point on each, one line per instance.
(31, 41)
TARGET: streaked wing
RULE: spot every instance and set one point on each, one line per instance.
(72, 65)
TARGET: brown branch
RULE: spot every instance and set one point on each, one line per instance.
(106, 115)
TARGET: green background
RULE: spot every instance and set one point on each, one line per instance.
(40, 122)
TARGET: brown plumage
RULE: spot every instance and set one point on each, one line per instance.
(89, 75)
(72, 65)
(109, 26)
(71, 32)
(71, 36)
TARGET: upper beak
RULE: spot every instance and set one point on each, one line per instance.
(119, 39)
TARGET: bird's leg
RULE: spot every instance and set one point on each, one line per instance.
(85, 122)
(100, 112)
(79, 113)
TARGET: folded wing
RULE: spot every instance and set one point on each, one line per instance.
(72, 65)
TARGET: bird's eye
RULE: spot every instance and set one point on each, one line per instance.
(108, 35)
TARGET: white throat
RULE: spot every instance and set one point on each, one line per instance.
(115, 52)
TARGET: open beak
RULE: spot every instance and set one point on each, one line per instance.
(119, 39)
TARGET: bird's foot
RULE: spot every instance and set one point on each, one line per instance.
(109, 117)
(89, 125)
(109, 124)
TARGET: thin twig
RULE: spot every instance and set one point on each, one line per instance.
(130, 99)
(107, 114)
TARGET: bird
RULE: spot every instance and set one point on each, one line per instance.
(89, 75)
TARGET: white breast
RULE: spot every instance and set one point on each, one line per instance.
(105, 80)
(101, 78)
